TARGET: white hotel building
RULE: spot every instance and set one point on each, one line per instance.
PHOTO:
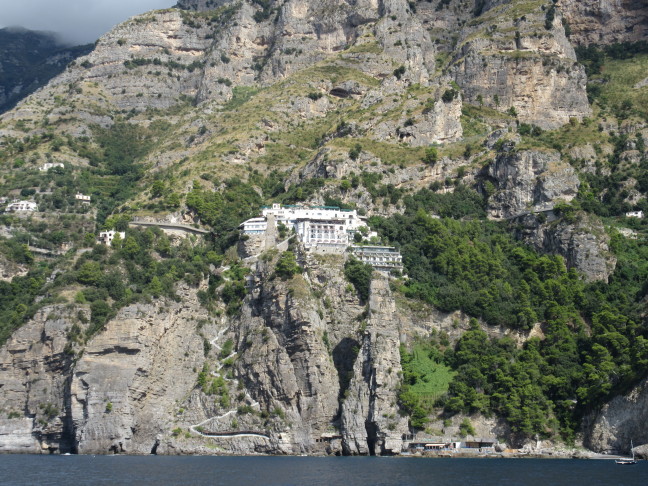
(315, 226)
(322, 229)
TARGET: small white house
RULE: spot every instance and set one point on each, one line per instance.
(22, 206)
(635, 214)
(82, 197)
(106, 237)
(50, 165)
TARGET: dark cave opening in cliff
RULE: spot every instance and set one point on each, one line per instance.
(372, 436)
(344, 356)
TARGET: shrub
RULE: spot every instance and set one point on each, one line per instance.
(287, 265)
(359, 274)
(449, 95)
(398, 72)
(355, 151)
(466, 428)
(431, 156)
(227, 348)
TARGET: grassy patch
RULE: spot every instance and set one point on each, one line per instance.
(240, 96)
(389, 153)
(435, 377)
(565, 137)
(618, 81)
(366, 47)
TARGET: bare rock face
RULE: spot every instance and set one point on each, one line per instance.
(131, 377)
(606, 21)
(440, 124)
(529, 181)
(9, 269)
(335, 378)
(285, 363)
(34, 367)
(514, 63)
(117, 395)
(584, 244)
(370, 419)
(621, 420)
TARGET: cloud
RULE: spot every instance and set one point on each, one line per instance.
(76, 21)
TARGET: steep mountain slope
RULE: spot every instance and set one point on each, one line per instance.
(193, 117)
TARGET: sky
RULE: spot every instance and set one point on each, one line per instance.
(77, 21)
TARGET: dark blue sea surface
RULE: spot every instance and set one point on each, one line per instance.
(311, 471)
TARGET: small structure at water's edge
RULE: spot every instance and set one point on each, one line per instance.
(449, 445)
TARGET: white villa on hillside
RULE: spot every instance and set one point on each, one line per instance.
(634, 214)
(82, 197)
(322, 229)
(50, 165)
(21, 206)
(106, 237)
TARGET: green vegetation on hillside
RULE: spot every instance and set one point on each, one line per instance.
(426, 378)
(545, 386)
(359, 274)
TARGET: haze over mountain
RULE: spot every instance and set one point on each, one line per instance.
(75, 22)
(28, 60)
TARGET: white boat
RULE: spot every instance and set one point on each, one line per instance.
(626, 461)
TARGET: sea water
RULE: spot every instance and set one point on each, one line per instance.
(311, 471)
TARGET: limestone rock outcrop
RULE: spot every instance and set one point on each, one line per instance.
(35, 366)
(529, 181)
(131, 377)
(506, 63)
(606, 21)
(618, 422)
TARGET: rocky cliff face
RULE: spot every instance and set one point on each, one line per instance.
(606, 22)
(311, 369)
(35, 366)
(528, 186)
(583, 243)
(529, 181)
(618, 422)
(96, 398)
(514, 62)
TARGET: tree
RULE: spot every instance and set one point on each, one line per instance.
(130, 247)
(287, 265)
(359, 274)
(117, 241)
(158, 188)
(89, 273)
(431, 156)
(155, 287)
